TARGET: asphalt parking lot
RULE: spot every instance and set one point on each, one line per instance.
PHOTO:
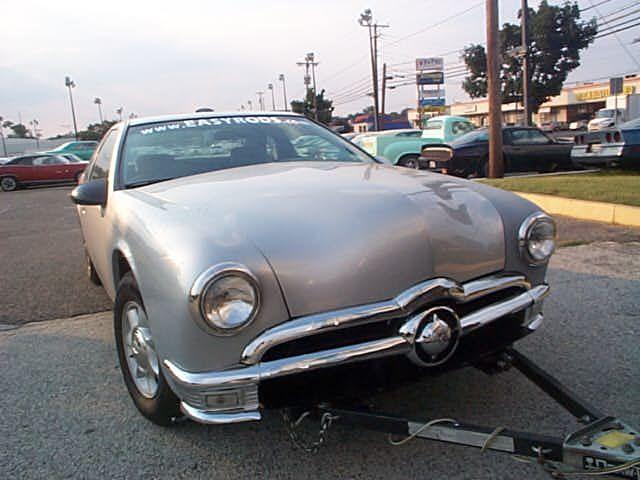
(66, 413)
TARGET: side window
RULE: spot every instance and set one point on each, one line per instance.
(519, 137)
(458, 128)
(528, 137)
(102, 159)
(23, 161)
(538, 138)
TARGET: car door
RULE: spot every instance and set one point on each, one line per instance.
(95, 228)
(526, 149)
(57, 169)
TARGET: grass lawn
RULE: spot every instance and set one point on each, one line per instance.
(607, 186)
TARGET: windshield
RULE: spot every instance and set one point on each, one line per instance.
(180, 148)
(433, 125)
(475, 136)
(607, 113)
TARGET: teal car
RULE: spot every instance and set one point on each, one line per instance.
(404, 148)
(83, 149)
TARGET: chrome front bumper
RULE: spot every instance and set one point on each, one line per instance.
(232, 395)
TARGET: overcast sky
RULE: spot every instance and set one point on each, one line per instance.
(153, 57)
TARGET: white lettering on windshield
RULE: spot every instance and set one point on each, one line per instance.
(207, 122)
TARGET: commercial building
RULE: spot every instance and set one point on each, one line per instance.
(575, 102)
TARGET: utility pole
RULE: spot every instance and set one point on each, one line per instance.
(119, 111)
(366, 20)
(384, 94)
(250, 103)
(71, 84)
(284, 92)
(496, 164)
(260, 101)
(98, 102)
(273, 98)
(34, 131)
(526, 78)
(309, 62)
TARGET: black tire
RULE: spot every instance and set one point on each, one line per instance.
(8, 184)
(164, 407)
(546, 167)
(482, 168)
(410, 161)
(91, 271)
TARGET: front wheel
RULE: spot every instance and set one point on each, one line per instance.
(410, 161)
(139, 362)
(8, 184)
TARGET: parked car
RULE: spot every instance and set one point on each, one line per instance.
(404, 147)
(609, 148)
(524, 149)
(83, 149)
(38, 169)
(236, 275)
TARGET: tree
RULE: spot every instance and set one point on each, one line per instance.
(19, 130)
(325, 107)
(556, 37)
(95, 131)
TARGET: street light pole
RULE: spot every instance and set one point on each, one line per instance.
(119, 112)
(4, 145)
(526, 104)
(250, 103)
(496, 167)
(273, 98)
(71, 84)
(284, 92)
(98, 102)
(260, 100)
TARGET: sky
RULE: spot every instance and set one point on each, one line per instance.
(156, 57)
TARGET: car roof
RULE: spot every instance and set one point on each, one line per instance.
(191, 116)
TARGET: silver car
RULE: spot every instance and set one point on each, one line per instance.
(286, 254)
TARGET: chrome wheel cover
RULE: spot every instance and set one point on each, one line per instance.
(8, 184)
(139, 349)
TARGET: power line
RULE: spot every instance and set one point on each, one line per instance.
(609, 20)
(622, 45)
(594, 6)
(437, 24)
(618, 31)
(609, 27)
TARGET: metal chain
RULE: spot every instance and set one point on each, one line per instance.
(326, 420)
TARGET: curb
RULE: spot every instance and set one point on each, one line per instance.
(586, 210)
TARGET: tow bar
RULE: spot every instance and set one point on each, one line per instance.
(604, 446)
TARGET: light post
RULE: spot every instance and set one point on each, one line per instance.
(260, 100)
(98, 102)
(71, 84)
(250, 103)
(119, 112)
(4, 145)
(284, 91)
(273, 98)
(34, 130)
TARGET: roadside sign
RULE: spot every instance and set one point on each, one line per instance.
(431, 93)
(432, 102)
(615, 86)
(429, 63)
(430, 78)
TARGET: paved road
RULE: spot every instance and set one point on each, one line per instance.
(66, 413)
(43, 277)
(42, 273)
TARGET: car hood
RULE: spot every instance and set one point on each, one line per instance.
(338, 234)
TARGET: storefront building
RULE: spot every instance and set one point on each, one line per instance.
(576, 102)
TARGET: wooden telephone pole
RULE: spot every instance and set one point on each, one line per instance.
(496, 162)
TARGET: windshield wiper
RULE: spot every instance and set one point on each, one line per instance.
(143, 183)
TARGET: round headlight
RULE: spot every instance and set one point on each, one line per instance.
(229, 299)
(537, 237)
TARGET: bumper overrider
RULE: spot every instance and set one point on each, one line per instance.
(428, 334)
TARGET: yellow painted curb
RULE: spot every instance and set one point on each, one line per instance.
(586, 210)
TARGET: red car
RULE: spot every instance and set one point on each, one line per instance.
(37, 169)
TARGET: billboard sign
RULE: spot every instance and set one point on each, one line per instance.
(432, 102)
(430, 78)
(429, 63)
